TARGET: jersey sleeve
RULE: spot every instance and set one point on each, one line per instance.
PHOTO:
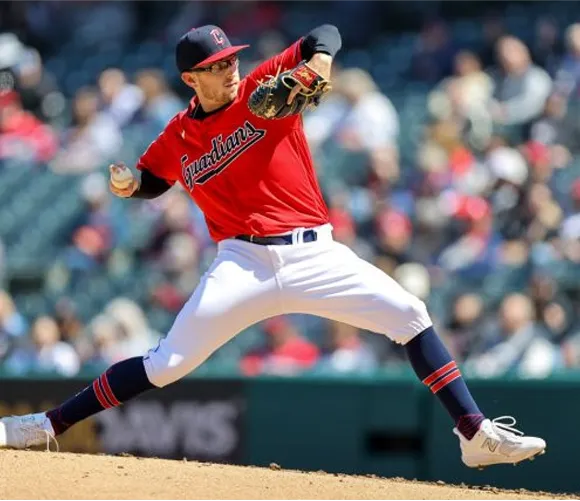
(157, 158)
(287, 59)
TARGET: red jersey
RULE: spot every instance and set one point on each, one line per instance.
(248, 175)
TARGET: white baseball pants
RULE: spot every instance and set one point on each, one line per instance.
(248, 283)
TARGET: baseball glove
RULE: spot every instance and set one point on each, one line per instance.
(268, 100)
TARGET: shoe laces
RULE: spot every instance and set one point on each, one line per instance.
(504, 425)
(32, 431)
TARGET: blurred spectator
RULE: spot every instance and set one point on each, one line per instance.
(46, 353)
(356, 115)
(476, 85)
(471, 255)
(510, 174)
(91, 142)
(463, 328)
(120, 99)
(179, 264)
(557, 321)
(554, 309)
(431, 212)
(385, 172)
(11, 50)
(344, 226)
(2, 263)
(159, 103)
(97, 199)
(544, 213)
(22, 135)
(464, 99)
(570, 228)
(394, 237)
(13, 325)
(92, 235)
(347, 351)
(86, 253)
(70, 325)
(104, 334)
(287, 352)
(568, 74)
(543, 289)
(521, 88)
(176, 217)
(38, 89)
(547, 49)
(433, 55)
(542, 161)
(518, 348)
(415, 279)
(447, 163)
(135, 335)
(557, 127)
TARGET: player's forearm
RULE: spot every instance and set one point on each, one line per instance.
(325, 39)
(150, 186)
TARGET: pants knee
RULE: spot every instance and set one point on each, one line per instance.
(163, 369)
(417, 318)
(419, 310)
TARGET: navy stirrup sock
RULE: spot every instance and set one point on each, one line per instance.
(116, 385)
(439, 372)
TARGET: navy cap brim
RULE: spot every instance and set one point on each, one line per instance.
(222, 54)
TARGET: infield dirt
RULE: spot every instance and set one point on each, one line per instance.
(45, 475)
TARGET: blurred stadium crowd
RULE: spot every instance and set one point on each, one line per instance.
(449, 156)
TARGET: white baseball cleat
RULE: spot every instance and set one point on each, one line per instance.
(21, 432)
(498, 442)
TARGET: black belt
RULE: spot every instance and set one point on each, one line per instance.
(307, 236)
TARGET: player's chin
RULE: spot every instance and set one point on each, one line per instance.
(231, 91)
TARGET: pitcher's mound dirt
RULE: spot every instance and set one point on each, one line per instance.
(44, 475)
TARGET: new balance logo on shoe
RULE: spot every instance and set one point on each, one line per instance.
(491, 444)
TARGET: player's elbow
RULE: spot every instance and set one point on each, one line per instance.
(325, 38)
(333, 33)
(331, 28)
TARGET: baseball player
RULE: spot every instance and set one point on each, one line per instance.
(240, 152)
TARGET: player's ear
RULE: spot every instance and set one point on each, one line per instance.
(189, 79)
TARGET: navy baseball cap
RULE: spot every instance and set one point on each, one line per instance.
(203, 45)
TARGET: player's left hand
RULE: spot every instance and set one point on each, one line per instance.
(302, 86)
(322, 64)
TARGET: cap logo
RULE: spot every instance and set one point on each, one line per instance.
(217, 36)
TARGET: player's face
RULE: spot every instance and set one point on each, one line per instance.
(216, 83)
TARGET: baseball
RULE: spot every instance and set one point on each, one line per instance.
(121, 177)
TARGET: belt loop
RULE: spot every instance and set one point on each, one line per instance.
(298, 236)
(251, 238)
